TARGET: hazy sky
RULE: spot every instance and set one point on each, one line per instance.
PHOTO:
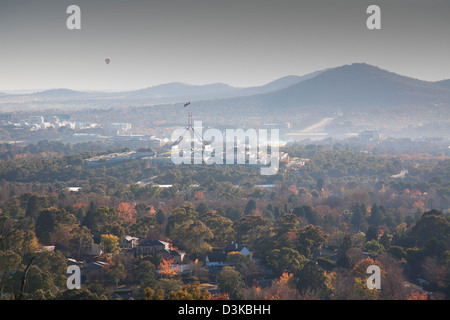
(238, 42)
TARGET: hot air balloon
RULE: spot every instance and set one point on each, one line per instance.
(107, 61)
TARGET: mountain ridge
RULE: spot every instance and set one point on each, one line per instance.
(357, 85)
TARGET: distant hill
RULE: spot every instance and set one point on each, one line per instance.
(58, 93)
(177, 89)
(443, 83)
(212, 91)
(278, 84)
(169, 92)
(355, 88)
(358, 85)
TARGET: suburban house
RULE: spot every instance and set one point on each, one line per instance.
(94, 270)
(233, 246)
(130, 242)
(94, 249)
(151, 247)
(176, 255)
(159, 248)
(218, 257)
(71, 261)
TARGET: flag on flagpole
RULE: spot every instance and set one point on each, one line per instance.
(187, 103)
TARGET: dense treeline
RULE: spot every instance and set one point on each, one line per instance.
(312, 232)
(9, 151)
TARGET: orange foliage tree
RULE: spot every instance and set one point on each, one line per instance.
(167, 268)
(417, 296)
(127, 211)
(360, 270)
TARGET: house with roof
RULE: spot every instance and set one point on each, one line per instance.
(234, 246)
(151, 247)
(176, 255)
(94, 270)
(129, 243)
(159, 248)
(218, 258)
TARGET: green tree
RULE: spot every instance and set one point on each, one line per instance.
(372, 233)
(343, 260)
(298, 211)
(374, 247)
(33, 206)
(202, 208)
(160, 217)
(144, 274)
(230, 281)
(221, 227)
(141, 210)
(179, 216)
(81, 237)
(286, 260)
(37, 279)
(432, 224)
(117, 272)
(358, 214)
(110, 243)
(313, 278)
(150, 294)
(376, 215)
(319, 184)
(194, 234)
(251, 230)
(9, 261)
(53, 227)
(103, 220)
(81, 294)
(310, 238)
(250, 207)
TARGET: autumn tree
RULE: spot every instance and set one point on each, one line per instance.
(127, 211)
(416, 295)
(150, 294)
(360, 270)
(190, 292)
(168, 269)
(284, 287)
(434, 272)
